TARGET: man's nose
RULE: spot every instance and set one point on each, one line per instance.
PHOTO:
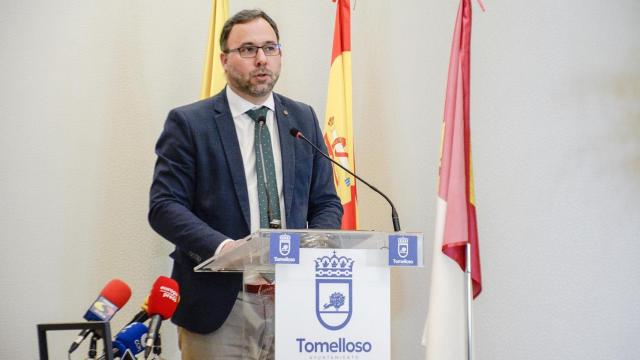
(261, 58)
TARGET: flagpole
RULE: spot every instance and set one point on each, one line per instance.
(469, 302)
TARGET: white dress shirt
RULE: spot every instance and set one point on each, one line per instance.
(245, 127)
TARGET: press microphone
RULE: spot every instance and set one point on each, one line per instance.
(273, 223)
(163, 300)
(111, 299)
(143, 314)
(129, 341)
(394, 214)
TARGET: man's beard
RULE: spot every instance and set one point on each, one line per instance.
(245, 86)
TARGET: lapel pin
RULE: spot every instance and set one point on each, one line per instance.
(285, 112)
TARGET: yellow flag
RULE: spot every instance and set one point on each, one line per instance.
(213, 79)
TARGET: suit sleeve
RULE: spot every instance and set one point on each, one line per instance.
(325, 208)
(173, 190)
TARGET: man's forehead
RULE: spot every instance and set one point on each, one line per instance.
(257, 31)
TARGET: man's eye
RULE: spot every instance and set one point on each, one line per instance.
(270, 48)
(247, 50)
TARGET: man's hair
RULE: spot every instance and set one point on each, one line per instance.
(244, 17)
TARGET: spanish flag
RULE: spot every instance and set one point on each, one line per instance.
(338, 127)
(445, 335)
(213, 79)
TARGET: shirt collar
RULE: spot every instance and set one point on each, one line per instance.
(239, 106)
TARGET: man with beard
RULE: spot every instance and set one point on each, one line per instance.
(226, 167)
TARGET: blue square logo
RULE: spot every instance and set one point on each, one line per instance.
(403, 250)
(284, 248)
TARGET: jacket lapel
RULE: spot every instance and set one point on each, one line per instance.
(287, 150)
(229, 140)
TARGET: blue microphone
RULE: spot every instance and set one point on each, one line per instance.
(130, 339)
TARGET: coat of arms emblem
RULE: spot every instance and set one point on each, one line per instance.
(334, 291)
(284, 244)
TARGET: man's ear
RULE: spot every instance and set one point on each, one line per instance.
(223, 59)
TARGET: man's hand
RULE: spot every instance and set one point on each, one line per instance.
(230, 246)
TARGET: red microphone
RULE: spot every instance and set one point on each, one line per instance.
(163, 300)
(112, 298)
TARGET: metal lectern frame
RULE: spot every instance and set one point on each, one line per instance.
(100, 328)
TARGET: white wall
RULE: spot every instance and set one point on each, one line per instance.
(555, 125)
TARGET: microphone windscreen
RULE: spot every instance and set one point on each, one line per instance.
(111, 299)
(131, 338)
(294, 132)
(164, 297)
(117, 292)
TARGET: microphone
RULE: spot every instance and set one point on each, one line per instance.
(394, 214)
(143, 314)
(112, 297)
(130, 339)
(163, 300)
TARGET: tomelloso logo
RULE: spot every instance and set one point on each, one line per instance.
(403, 250)
(341, 345)
(334, 295)
(284, 244)
(403, 247)
(284, 248)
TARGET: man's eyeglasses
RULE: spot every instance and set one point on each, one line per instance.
(250, 51)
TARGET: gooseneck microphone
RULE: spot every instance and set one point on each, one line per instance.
(273, 223)
(111, 299)
(394, 214)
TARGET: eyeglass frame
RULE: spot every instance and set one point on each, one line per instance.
(278, 46)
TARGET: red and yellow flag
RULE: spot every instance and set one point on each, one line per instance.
(213, 79)
(445, 335)
(455, 184)
(338, 127)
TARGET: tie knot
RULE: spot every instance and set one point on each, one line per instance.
(256, 114)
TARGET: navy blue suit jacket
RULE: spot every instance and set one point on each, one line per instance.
(199, 196)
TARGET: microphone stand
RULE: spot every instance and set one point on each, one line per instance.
(156, 349)
(93, 345)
